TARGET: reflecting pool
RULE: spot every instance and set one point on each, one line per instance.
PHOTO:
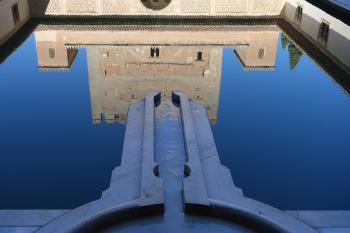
(279, 120)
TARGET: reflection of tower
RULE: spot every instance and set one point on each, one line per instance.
(53, 54)
(120, 76)
(261, 52)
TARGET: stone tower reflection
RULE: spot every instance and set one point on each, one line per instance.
(119, 76)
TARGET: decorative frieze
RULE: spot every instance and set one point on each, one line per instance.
(175, 8)
(229, 6)
(195, 6)
(79, 6)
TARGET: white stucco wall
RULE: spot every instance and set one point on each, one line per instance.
(7, 25)
(339, 33)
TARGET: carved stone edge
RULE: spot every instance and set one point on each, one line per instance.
(225, 202)
(109, 209)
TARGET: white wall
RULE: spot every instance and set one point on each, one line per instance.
(339, 33)
(7, 25)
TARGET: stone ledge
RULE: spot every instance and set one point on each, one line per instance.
(32, 218)
(323, 219)
(209, 189)
(18, 229)
(141, 193)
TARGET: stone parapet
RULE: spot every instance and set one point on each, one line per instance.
(134, 188)
(209, 187)
(115, 8)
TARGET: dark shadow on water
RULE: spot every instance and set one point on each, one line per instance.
(17, 39)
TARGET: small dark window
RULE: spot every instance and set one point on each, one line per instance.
(52, 53)
(323, 33)
(199, 56)
(298, 15)
(15, 13)
(157, 52)
(261, 53)
(154, 52)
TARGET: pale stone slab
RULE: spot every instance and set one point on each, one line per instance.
(334, 230)
(324, 219)
(13, 218)
(18, 229)
(134, 186)
(209, 186)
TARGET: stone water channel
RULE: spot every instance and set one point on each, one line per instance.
(171, 170)
(170, 155)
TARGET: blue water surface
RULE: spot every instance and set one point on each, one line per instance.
(51, 153)
(284, 134)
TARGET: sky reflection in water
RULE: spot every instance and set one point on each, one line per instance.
(283, 134)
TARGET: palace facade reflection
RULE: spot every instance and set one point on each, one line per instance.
(127, 61)
(126, 65)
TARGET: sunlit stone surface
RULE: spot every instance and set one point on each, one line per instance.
(161, 7)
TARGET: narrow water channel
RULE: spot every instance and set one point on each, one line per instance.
(170, 155)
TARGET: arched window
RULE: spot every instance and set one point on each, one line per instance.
(298, 15)
(261, 53)
(15, 13)
(200, 56)
(323, 33)
(155, 52)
